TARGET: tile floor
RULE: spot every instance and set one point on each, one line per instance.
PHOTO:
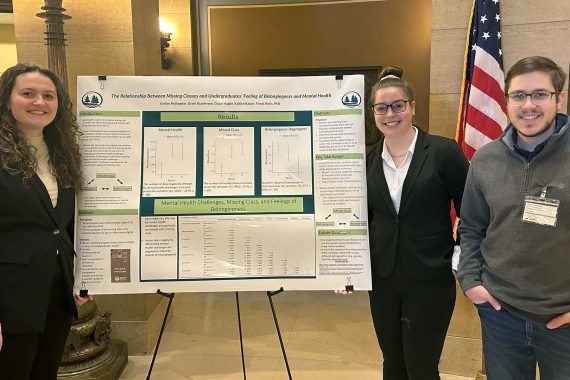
(326, 337)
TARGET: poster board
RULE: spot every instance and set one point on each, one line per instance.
(222, 184)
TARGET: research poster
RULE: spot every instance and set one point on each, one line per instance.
(221, 184)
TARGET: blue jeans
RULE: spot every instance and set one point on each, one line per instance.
(513, 346)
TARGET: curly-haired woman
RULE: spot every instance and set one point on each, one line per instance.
(39, 173)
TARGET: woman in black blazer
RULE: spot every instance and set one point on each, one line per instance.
(412, 178)
(39, 173)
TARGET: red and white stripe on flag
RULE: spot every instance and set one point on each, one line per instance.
(482, 109)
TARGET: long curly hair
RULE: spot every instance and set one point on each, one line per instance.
(60, 135)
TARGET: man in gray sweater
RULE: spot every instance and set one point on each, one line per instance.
(515, 230)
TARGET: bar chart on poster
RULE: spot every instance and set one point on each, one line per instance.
(228, 161)
(169, 157)
(222, 184)
(286, 167)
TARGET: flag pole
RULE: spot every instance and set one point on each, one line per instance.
(462, 106)
(460, 129)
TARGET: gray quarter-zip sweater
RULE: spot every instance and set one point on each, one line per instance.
(525, 266)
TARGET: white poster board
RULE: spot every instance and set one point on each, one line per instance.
(222, 184)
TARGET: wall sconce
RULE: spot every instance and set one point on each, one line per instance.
(166, 31)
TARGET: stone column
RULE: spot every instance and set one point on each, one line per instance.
(55, 37)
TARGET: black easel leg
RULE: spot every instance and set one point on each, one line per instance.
(269, 295)
(170, 297)
(240, 337)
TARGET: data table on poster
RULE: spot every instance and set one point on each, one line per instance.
(228, 247)
(246, 247)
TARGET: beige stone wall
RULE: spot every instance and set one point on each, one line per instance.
(105, 37)
(146, 37)
(245, 38)
(527, 28)
(136, 318)
(7, 47)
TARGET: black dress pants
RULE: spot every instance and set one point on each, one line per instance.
(37, 355)
(411, 318)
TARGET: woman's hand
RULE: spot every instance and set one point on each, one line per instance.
(81, 300)
(343, 292)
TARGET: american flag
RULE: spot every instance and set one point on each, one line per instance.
(482, 108)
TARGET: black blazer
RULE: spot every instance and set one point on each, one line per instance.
(421, 233)
(31, 232)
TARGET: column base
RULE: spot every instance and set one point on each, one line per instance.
(136, 319)
(108, 365)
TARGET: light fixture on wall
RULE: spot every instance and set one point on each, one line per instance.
(166, 31)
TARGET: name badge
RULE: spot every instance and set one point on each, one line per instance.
(540, 210)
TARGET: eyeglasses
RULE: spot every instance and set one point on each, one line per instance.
(538, 98)
(382, 108)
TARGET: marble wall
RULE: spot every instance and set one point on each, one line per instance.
(7, 45)
(244, 37)
(527, 28)
(106, 37)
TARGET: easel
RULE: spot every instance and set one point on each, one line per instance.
(269, 296)
(170, 296)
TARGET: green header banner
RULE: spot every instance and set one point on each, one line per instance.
(109, 113)
(342, 232)
(348, 111)
(113, 211)
(227, 116)
(227, 205)
(340, 156)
